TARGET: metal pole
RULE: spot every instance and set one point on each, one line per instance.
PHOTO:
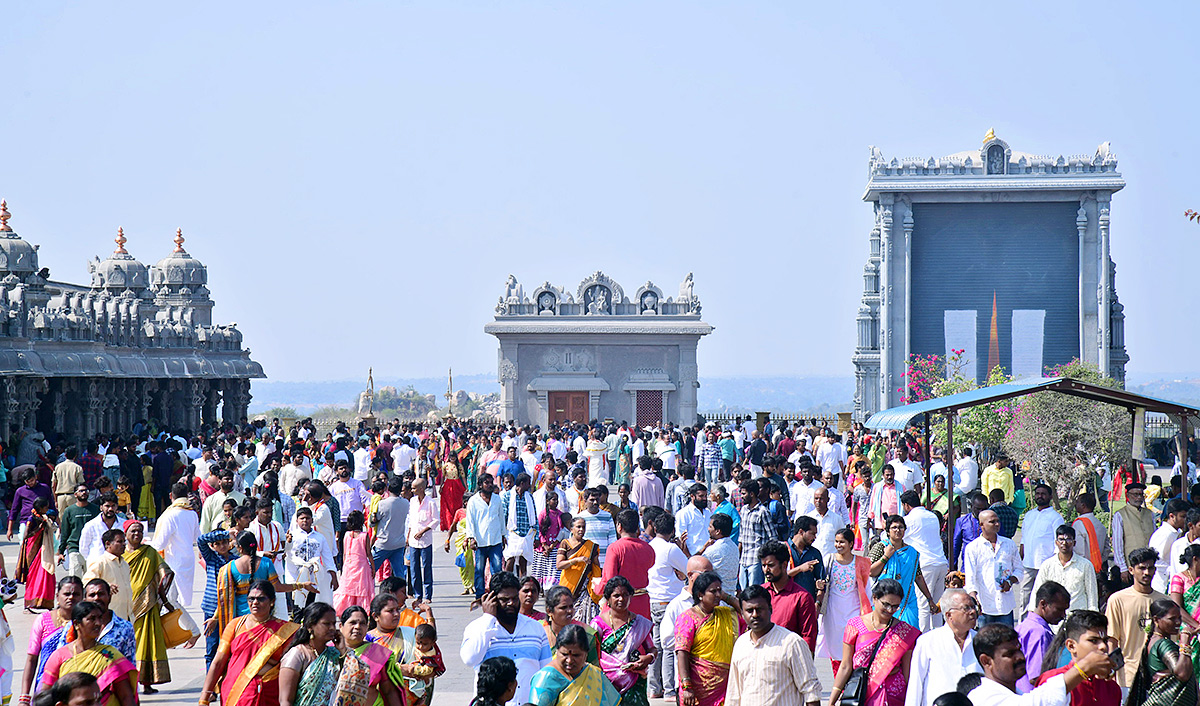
(950, 510)
(1133, 462)
(1181, 448)
(928, 465)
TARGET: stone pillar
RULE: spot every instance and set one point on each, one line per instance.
(228, 405)
(197, 395)
(885, 296)
(144, 399)
(11, 405)
(1103, 317)
(93, 404)
(60, 417)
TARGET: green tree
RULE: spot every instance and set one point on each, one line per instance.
(281, 412)
(982, 426)
(1062, 440)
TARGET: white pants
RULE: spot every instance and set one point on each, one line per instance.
(935, 579)
(755, 471)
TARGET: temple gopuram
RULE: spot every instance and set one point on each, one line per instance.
(136, 343)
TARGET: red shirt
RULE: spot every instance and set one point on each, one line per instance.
(633, 559)
(1093, 692)
(794, 609)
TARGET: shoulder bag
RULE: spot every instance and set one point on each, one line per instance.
(855, 691)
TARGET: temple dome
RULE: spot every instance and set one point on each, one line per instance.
(120, 271)
(16, 255)
(178, 271)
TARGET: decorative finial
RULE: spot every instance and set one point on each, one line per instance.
(120, 241)
(4, 216)
(991, 135)
(178, 240)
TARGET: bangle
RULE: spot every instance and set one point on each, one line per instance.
(1082, 673)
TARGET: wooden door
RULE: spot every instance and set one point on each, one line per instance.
(568, 407)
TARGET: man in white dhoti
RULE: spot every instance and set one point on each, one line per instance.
(312, 556)
(521, 514)
(175, 538)
(271, 545)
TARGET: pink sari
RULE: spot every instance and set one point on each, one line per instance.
(886, 686)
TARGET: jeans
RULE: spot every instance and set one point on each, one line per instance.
(395, 557)
(1006, 619)
(750, 575)
(662, 671)
(211, 641)
(420, 572)
(486, 556)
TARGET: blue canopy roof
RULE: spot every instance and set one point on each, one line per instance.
(901, 417)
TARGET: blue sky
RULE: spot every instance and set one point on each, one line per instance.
(360, 178)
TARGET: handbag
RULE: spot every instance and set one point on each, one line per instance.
(855, 691)
(460, 560)
(174, 632)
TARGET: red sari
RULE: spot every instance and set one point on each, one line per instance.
(35, 565)
(452, 493)
(255, 650)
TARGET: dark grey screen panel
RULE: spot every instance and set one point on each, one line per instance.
(1027, 253)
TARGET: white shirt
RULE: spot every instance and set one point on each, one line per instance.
(726, 560)
(990, 693)
(1037, 535)
(774, 670)
(485, 520)
(90, 544)
(539, 501)
(924, 534)
(1161, 542)
(669, 458)
(403, 456)
(1078, 577)
(668, 558)
(801, 497)
(527, 646)
(985, 566)
(666, 630)
(175, 536)
(968, 475)
(937, 664)
(827, 527)
(1177, 547)
(908, 473)
(362, 465)
(832, 458)
(557, 449)
(422, 514)
(695, 523)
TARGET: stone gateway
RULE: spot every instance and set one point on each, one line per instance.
(598, 354)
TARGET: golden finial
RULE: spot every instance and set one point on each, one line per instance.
(178, 240)
(991, 135)
(120, 241)
(4, 216)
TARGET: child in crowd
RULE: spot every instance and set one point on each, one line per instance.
(357, 583)
(145, 509)
(124, 500)
(428, 664)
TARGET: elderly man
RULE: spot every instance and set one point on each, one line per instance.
(1132, 526)
(695, 566)
(944, 655)
(829, 521)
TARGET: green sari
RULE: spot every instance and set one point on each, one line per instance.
(1162, 687)
(319, 680)
(1191, 603)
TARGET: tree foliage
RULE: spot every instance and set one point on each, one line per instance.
(982, 426)
(1062, 440)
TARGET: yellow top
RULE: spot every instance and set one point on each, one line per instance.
(1002, 478)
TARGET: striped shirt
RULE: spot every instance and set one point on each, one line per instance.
(212, 563)
(527, 646)
(757, 530)
(600, 529)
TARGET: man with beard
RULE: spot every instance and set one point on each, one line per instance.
(503, 632)
(791, 606)
(90, 544)
(692, 521)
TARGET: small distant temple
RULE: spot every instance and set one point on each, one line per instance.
(136, 343)
(598, 354)
(1002, 255)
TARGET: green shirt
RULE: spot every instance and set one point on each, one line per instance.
(73, 520)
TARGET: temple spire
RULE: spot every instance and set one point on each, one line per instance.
(120, 240)
(178, 240)
(4, 216)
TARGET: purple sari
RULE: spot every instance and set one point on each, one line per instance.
(621, 646)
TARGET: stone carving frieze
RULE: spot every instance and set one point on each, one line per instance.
(569, 360)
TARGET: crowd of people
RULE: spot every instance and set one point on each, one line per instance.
(712, 564)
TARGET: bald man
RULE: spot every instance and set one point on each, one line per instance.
(695, 566)
(992, 565)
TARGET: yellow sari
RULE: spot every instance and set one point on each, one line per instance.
(146, 571)
(590, 688)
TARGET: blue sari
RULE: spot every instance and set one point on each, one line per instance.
(903, 567)
(551, 687)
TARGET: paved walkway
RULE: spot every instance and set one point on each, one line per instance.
(455, 688)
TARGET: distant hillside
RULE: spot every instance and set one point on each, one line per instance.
(1185, 388)
(732, 395)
